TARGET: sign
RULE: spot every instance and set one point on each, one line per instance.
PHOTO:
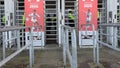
(87, 15)
(34, 16)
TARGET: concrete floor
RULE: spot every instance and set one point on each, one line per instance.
(51, 57)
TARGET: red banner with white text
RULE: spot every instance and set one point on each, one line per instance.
(34, 17)
(87, 17)
(88, 12)
(34, 13)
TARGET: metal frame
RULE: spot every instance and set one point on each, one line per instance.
(62, 21)
(19, 12)
(59, 23)
(1, 12)
(19, 49)
(115, 35)
(52, 32)
(95, 44)
(111, 18)
(71, 5)
(72, 55)
(102, 11)
(118, 11)
(65, 7)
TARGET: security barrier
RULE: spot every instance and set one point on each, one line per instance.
(109, 35)
(20, 47)
(72, 55)
(92, 36)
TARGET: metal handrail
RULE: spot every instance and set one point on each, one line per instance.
(110, 25)
(95, 45)
(12, 28)
(114, 35)
(66, 49)
(30, 46)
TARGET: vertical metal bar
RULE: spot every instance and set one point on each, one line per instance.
(6, 37)
(94, 46)
(115, 37)
(67, 46)
(86, 29)
(4, 41)
(22, 37)
(10, 41)
(64, 47)
(107, 32)
(15, 35)
(101, 36)
(61, 36)
(111, 35)
(31, 51)
(59, 18)
(74, 49)
(81, 36)
(67, 39)
(18, 39)
(32, 46)
(1, 15)
(100, 28)
(76, 13)
(41, 36)
(97, 47)
(63, 12)
(113, 44)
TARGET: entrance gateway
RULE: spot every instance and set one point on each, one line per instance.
(20, 9)
(87, 22)
(52, 20)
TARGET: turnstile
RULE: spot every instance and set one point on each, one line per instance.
(51, 22)
(2, 14)
(19, 12)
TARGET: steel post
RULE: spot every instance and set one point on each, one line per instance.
(18, 39)
(74, 49)
(4, 46)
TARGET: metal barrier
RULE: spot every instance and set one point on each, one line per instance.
(93, 41)
(109, 39)
(72, 55)
(19, 47)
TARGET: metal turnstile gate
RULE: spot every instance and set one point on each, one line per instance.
(2, 14)
(20, 12)
(71, 11)
(51, 21)
(71, 14)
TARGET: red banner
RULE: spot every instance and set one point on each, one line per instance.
(88, 13)
(34, 14)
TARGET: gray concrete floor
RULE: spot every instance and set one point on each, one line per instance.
(51, 57)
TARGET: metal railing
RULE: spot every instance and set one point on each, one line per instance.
(20, 47)
(93, 41)
(72, 52)
(109, 35)
(72, 55)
